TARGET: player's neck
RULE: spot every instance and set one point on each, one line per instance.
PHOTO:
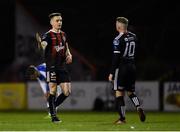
(123, 31)
(55, 30)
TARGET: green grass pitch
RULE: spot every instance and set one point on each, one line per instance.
(88, 121)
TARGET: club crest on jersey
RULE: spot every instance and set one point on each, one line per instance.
(58, 48)
(116, 42)
(53, 73)
(125, 39)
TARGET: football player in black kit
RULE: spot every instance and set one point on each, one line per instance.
(123, 69)
(57, 55)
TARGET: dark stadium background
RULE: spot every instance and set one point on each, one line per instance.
(90, 26)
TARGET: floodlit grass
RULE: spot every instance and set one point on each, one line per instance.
(87, 121)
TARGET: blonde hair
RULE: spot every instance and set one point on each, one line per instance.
(122, 20)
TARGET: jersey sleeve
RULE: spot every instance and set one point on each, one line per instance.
(115, 58)
(45, 37)
(116, 46)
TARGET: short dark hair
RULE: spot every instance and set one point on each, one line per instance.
(122, 20)
(54, 14)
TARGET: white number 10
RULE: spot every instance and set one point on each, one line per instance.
(130, 49)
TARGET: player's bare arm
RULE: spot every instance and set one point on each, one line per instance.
(41, 44)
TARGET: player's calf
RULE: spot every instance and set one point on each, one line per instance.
(60, 99)
(134, 99)
(120, 104)
(136, 103)
(66, 90)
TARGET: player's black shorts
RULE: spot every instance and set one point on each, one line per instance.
(57, 75)
(125, 76)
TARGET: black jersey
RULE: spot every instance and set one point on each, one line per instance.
(55, 51)
(123, 49)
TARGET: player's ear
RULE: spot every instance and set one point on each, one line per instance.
(51, 21)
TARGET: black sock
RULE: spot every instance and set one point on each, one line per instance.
(135, 100)
(52, 105)
(60, 99)
(121, 107)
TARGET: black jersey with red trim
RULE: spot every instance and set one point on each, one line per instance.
(123, 49)
(55, 51)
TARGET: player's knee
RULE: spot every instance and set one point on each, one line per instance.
(53, 92)
(66, 88)
(53, 88)
(67, 93)
(119, 93)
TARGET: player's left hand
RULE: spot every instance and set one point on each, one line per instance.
(110, 78)
(69, 59)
